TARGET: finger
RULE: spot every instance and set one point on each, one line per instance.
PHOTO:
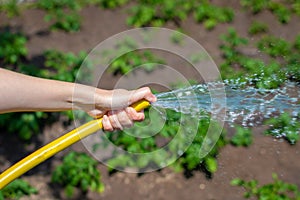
(124, 119)
(113, 118)
(134, 115)
(106, 124)
(95, 113)
(142, 93)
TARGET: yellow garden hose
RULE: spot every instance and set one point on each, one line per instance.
(56, 146)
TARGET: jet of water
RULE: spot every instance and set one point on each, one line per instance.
(245, 104)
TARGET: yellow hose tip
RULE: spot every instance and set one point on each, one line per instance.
(141, 105)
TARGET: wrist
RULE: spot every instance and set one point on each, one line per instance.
(88, 97)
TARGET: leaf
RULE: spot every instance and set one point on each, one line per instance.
(211, 164)
(237, 182)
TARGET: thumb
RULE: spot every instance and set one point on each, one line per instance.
(142, 93)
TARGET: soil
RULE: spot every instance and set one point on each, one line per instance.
(265, 156)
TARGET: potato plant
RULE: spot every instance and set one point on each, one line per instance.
(189, 160)
(284, 126)
(17, 189)
(126, 62)
(12, 48)
(63, 13)
(78, 170)
(278, 189)
(281, 9)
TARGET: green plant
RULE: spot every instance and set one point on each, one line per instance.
(24, 124)
(282, 66)
(211, 15)
(177, 37)
(127, 62)
(111, 3)
(257, 27)
(255, 5)
(274, 46)
(10, 7)
(189, 159)
(292, 67)
(296, 7)
(284, 126)
(64, 13)
(268, 76)
(242, 137)
(297, 42)
(62, 66)
(78, 170)
(281, 11)
(293, 61)
(158, 12)
(231, 41)
(17, 189)
(130, 58)
(278, 189)
(12, 48)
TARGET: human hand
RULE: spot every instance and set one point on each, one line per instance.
(114, 107)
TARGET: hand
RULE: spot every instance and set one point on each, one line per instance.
(115, 108)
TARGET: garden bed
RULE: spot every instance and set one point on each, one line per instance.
(265, 156)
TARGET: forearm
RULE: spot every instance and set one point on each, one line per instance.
(20, 92)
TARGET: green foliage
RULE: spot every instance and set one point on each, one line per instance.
(211, 15)
(24, 124)
(191, 160)
(78, 170)
(285, 126)
(242, 137)
(297, 42)
(255, 5)
(278, 189)
(232, 39)
(274, 46)
(111, 3)
(12, 48)
(17, 189)
(268, 76)
(282, 13)
(283, 63)
(177, 37)
(159, 12)
(137, 142)
(62, 66)
(257, 27)
(282, 10)
(128, 61)
(64, 13)
(296, 7)
(10, 7)
(231, 42)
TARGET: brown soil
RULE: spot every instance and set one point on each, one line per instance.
(265, 156)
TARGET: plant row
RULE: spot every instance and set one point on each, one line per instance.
(64, 14)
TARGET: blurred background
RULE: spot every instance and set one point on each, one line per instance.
(258, 39)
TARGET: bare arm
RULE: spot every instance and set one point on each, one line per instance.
(20, 92)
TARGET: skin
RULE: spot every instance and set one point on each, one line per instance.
(21, 92)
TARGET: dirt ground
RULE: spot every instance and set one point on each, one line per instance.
(259, 161)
